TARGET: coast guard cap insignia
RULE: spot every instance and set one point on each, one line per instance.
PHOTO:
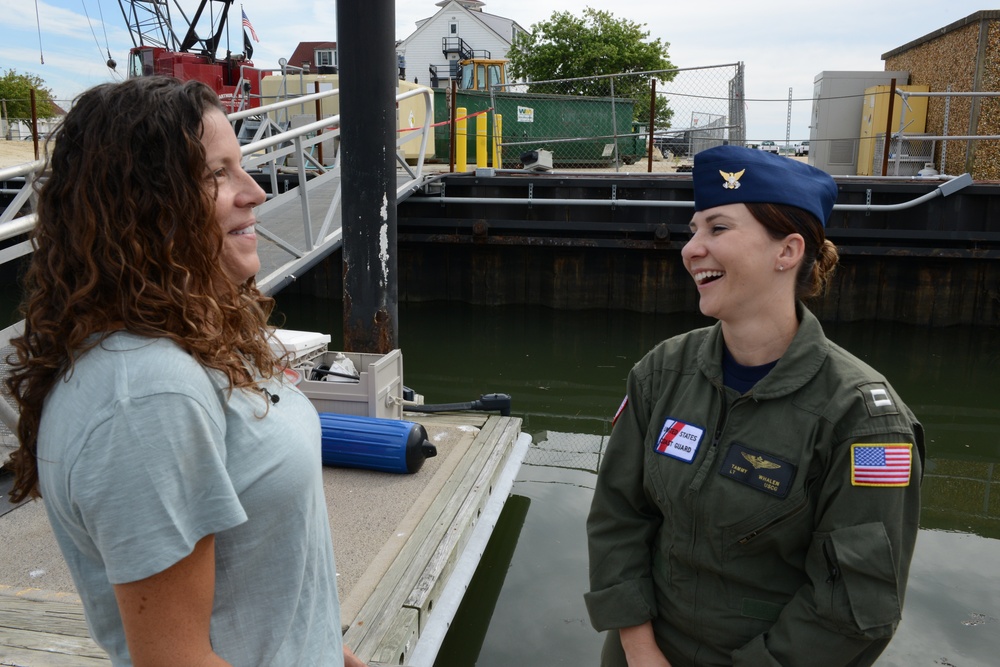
(731, 179)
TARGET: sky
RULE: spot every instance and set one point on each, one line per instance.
(783, 44)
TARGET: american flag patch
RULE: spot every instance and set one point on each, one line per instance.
(881, 464)
(621, 409)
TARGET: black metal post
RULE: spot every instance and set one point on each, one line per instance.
(367, 56)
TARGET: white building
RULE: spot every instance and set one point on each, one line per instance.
(459, 30)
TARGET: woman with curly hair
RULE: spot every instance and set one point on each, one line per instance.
(187, 500)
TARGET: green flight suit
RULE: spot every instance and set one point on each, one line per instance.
(760, 537)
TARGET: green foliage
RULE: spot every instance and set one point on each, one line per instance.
(15, 89)
(588, 46)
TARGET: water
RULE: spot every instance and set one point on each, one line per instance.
(566, 373)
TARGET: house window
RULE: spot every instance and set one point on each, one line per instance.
(453, 28)
(326, 58)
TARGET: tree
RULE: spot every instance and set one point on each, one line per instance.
(15, 90)
(588, 46)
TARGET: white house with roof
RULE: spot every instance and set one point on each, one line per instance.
(459, 30)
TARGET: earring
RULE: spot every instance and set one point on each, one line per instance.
(781, 268)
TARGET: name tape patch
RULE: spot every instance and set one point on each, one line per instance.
(758, 470)
(679, 439)
(881, 464)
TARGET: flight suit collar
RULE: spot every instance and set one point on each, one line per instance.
(800, 363)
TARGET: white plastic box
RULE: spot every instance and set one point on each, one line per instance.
(377, 393)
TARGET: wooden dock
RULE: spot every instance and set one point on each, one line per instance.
(397, 539)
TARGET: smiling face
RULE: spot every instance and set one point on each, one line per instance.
(236, 195)
(735, 265)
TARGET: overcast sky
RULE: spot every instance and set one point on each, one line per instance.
(783, 43)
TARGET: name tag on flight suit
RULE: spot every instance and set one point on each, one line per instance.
(759, 470)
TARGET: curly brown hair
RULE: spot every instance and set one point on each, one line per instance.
(819, 261)
(127, 240)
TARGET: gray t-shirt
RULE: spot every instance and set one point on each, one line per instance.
(142, 452)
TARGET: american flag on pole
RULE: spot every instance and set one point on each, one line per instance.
(249, 26)
(881, 464)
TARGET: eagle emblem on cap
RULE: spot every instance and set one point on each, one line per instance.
(759, 461)
(732, 179)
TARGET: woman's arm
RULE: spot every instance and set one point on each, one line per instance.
(640, 647)
(167, 616)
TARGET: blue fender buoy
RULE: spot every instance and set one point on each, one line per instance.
(389, 445)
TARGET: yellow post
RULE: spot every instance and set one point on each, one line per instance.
(497, 136)
(481, 155)
(461, 140)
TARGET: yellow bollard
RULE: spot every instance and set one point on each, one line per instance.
(481, 155)
(497, 136)
(461, 140)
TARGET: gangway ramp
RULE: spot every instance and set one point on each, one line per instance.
(283, 227)
(300, 227)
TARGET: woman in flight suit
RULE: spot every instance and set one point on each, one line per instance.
(759, 499)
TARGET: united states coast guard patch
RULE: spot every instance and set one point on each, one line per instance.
(881, 464)
(679, 440)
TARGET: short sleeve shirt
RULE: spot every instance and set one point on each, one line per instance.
(142, 452)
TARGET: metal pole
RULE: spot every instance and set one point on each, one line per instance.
(366, 46)
(454, 125)
(652, 122)
(34, 122)
(319, 116)
(944, 131)
(888, 127)
(788, 121)
(614, 122)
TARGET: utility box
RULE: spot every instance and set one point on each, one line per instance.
(838, 99)
(377, 391)
(875, 119)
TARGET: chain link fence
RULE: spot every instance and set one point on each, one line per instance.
(602, 121)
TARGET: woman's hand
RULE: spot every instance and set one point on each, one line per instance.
(351, 660)
(640, 646)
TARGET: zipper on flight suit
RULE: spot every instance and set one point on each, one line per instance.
(770, 524)
(709, 461)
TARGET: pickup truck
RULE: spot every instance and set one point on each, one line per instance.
(769, 146)
(802, 148)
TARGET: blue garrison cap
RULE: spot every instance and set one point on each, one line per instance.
(733, 175)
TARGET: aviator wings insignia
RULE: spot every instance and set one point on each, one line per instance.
(760, 461)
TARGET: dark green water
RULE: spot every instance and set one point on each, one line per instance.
(566, 373)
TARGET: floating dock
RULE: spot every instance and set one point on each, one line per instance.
(406, 547)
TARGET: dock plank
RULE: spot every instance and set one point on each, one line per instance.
(46, 633)
(399, 640)
(374, 630)
(442, 561)
(375, 616)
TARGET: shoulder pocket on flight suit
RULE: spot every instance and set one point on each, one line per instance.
(864, 591)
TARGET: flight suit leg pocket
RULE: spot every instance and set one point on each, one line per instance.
(859, 560)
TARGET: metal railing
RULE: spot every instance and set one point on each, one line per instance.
(271, 151)
(944, 137)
